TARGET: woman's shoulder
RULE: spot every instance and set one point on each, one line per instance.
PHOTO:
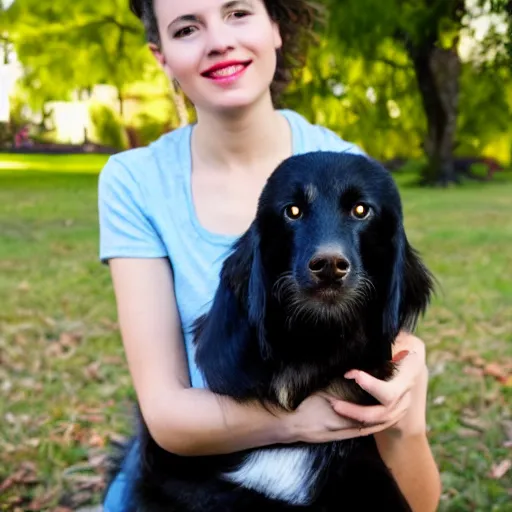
(131, 198)
(309, 136)
(170, 150)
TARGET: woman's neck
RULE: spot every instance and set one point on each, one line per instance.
(242, 139)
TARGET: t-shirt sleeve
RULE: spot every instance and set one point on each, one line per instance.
(125, 228)
(330, 141)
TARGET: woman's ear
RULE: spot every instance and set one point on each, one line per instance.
(160, 58)
(276, 35)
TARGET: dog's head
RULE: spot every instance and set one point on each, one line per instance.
(328, 240)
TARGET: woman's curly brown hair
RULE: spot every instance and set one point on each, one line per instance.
(297, 20)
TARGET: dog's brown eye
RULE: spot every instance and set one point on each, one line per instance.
(361, 211)
(293, 212)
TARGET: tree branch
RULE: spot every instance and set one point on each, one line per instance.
(127, 28)
(50, 29)
(391, 63)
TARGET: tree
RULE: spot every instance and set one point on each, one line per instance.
(362, 100)
(68, 47)
(65, 47)
(429, 32)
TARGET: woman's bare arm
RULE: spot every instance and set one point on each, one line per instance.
(406, 451)
(184, 420)
(414, 468)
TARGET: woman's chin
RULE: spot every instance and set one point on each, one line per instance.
(235, 101)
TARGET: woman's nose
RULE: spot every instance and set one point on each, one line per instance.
(220, 39)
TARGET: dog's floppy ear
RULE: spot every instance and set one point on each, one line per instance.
(244, 274)
(411, 287)
(224, 351)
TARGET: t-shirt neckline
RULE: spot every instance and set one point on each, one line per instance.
(211, 236)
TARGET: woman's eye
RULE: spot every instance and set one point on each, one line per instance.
(293, 212)
(184, 32)
(239, 14)
(361, 211)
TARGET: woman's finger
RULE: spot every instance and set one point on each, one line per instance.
(370, 414)
(388, 392)
(385, 392)
(361, 431)
(367, 414)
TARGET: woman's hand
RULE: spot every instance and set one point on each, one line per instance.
(402, 410)
(316, 421)
(403, 398)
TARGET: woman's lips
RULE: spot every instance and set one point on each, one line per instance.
(227, 74)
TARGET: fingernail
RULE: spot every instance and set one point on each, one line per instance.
(352, 374)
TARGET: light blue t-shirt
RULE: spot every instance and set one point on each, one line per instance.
(146, 211)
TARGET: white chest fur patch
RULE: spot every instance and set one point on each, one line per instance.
(280, 473)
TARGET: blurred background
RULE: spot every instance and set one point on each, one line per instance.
(425, 86)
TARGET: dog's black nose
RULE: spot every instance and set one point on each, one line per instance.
(329, 267)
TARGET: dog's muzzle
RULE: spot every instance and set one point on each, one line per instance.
(329, 268)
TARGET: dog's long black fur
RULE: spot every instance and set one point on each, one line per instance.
(321, 283)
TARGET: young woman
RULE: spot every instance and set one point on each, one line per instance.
(169, 214)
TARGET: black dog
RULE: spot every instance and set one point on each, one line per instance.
(321, 283)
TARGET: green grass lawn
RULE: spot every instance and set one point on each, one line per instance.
(66, 390)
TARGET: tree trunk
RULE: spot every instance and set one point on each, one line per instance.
(438, 72)
(120, 99)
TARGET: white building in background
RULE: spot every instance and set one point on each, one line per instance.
(70, 118)
(9, 74)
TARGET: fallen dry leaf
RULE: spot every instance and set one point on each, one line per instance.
(69, 339)
(15, 500)
(113, 360)
(109, 324)
(80, 498)
(10, 418)
(494, 370)
(74, 433)
(468, 432)
(34, 442)
(98, 460)
(507, 382)
(473, 371)
(118, 439)
(26, 474)
(49, 322)
(24, 286)
(96, 441)
(507, 430)
(93, 418)
(41, 502)
(499, 470)
(478, 424)
(92, 371)
(20, 339)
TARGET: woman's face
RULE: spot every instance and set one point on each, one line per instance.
(222, 53)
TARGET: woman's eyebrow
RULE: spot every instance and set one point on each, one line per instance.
(235, 3)
(185, 17)
(195, 18)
